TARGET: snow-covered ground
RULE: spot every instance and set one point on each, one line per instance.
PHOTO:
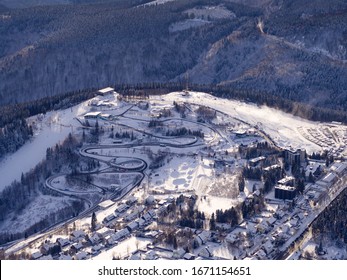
(157, 2)
(212, 12)
(123, 249)
(49, 130)
(210, 204)
(35, 212)
(55, 127)
(188, 169)
(282, 127)
(186, 24)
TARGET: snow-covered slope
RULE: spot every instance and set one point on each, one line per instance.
(50, 130)
(282, 127)
(55, 127)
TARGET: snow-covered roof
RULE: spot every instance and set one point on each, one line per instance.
(63, 242)
(135, 257)
(152, 234)
(152, 213)
(111, 239)
(106, 90)
(92, 114)
(94, 238)
(255, 160)
(286, 180)
(122, 208)
(109, 217)
(81, 255)
(46, 258)
(106, 203)
(96, 248)
(78, 233)
(147, 217)
(231, 237)
(338, 167)
(329, 178)
(133, 225)
(131, 216)
(272, 220)
(140, 221)
(203, 237)
(283, 187)
(48, 246)
(104, 231)
(65, 257)
(77, 246)
(189, 256)
(36, 255)
(140, 208)
(162, 202)
(132, 200)
(272, 167)
(121, 234)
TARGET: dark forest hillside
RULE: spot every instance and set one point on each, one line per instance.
(289, 49)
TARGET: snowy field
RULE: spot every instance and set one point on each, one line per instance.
(49, 130)
(55, 126)
(35, 212)
(282, 127)
(188, 169)
(157, 2)
(212, 12)
(123, 249)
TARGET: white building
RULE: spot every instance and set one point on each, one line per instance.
(105, 91)
(328, 180)
(339, 168)
(92, 115)
(103, 232)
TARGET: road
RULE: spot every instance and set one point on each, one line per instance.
(285, 250)
(113, 167)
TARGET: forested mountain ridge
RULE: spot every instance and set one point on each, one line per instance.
(288, 48)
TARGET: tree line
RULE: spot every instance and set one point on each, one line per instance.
(16, 197)
(14, 129)
(290, 105)
(332, 223)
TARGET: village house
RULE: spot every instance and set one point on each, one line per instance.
(94, 238)
(63, 242)
(77, 235)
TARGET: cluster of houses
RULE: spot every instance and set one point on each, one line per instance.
(319, 190)
(327, 138)
(202, 243)
(261, 236)
(129, 218)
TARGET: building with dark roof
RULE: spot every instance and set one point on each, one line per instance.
(285, 192)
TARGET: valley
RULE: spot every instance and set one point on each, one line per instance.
(168, 177)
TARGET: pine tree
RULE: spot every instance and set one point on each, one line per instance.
(175, 243)
(213, 222)
(94, 221)
(241, 184)
(311, 178)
